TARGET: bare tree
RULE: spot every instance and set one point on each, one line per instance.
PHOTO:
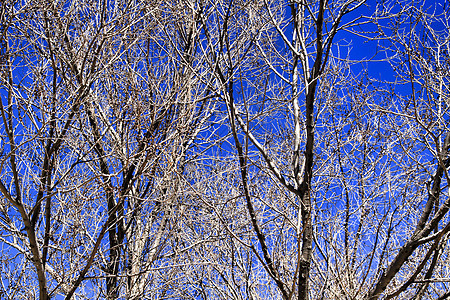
(99, 110)
(291, 56)
(354, 219)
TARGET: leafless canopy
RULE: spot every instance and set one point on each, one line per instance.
(224, 149)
